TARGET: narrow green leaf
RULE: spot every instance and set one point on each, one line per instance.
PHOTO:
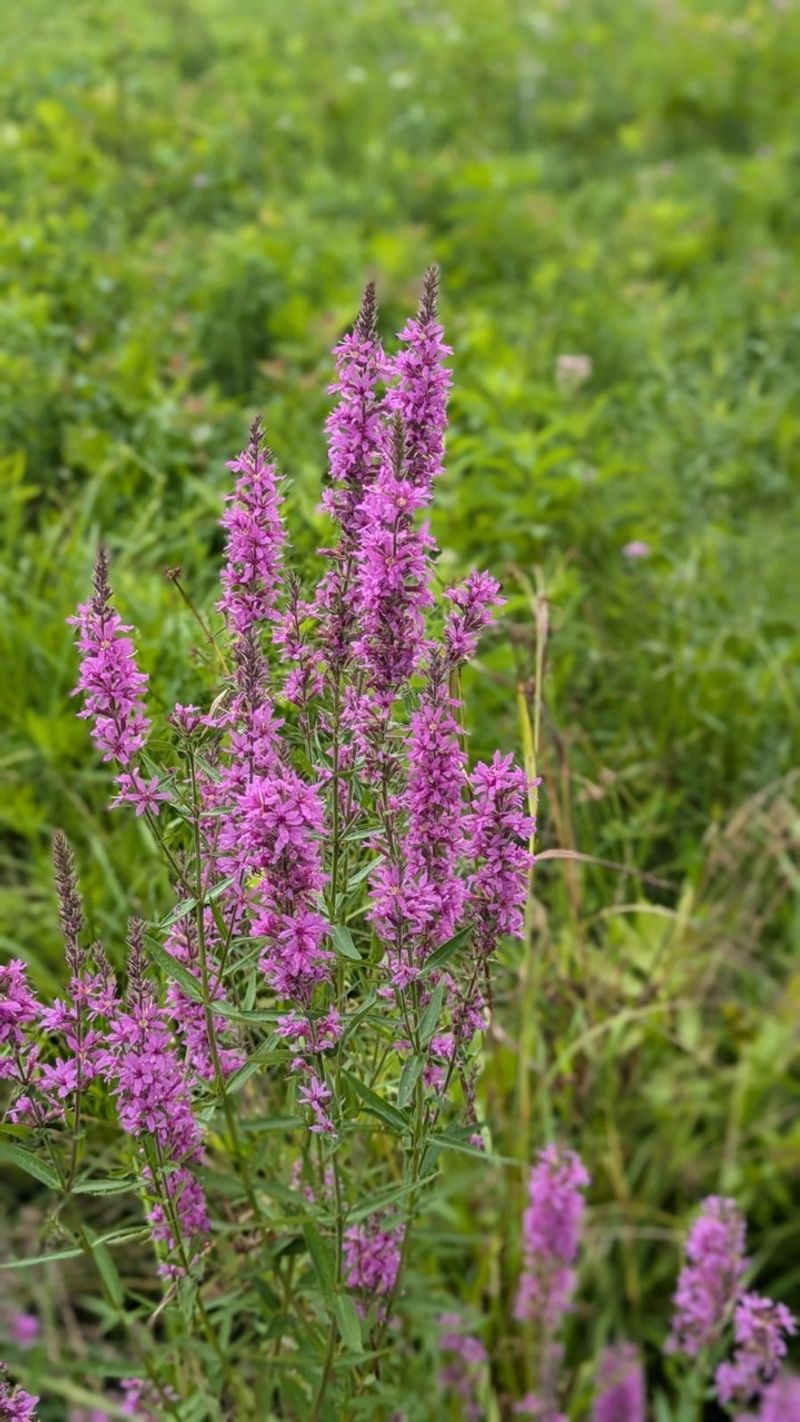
(107, 1269)
(376, 1105)
(430, 1017)
(88, 1186)
(261, 1056)
(445, 951)
(343, 942)
(42, 1258)
(187, 906)
(321, 1257)
(173, 969)
(410, 1075)
(362, 873)
(30, 1163)
(348, 1321)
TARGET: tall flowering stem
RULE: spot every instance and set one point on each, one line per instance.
(551, 1231)
(343, 878)
(620, 1395)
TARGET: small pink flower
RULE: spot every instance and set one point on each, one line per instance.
(25, 1329)
(143, 794)
(637, 548)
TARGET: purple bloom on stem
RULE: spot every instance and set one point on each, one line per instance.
(356, 444)
(19, 1009)
(780, 1401)
(709, 1283)
(760, 1329)
(393, 573)
(551, 1230)
(498, 831)
(355, 428)
(422, 382)
(434, 800)
(16, 1405)
(143, 794)
(462, 1371)
(472, 603)
(25, 1329)
(637, 548)
(620, 1386)
(372, 1257)
(251, 575)
(315, 1094)
(111, 683)
(154, 1100)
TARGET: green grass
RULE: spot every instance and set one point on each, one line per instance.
(197, 191)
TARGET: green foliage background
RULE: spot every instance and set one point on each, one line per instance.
(196, 192)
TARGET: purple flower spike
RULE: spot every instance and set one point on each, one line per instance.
(760, 1328)
(251, 574)
(620, 1386)
(16, 1405)
(111, 683)
(419, 395)
(708, 1284)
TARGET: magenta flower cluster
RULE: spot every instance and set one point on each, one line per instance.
(551, 1232)
(708, 1284)
(620, 1390)
(16, 1405)
(710, 1297)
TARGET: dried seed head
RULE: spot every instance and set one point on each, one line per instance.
(429, 305)
(367, 320)
(102, 589)
(398, 446)
(255, 440)
(70, 908)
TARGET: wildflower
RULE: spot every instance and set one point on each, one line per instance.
(355, 428)
(19, 1008)
(372, 1258)
(25, 1329)
(708, 1284)
(497, 831)
(393, 574)
(316, 1094)
(780, 1401)
(251, 574)
(16, 1405)
(637, 548)
(462, 1372)
(551, 1229)
(188, 1014)
(434, 800)
(356, 443)
(144, 795)
(111, 683)
(421, 384)
(154, 1101)
(760, 1329)
(471, 610)
(620, 1386)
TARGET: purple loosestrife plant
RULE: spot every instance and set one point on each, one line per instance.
(620, 1395)
(275, 1075)
(760, 1329)
(710, 1298)
(709, 1283)
(551, 1231)
(16, 1405)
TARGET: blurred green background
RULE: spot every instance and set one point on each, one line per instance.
(196, 192)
